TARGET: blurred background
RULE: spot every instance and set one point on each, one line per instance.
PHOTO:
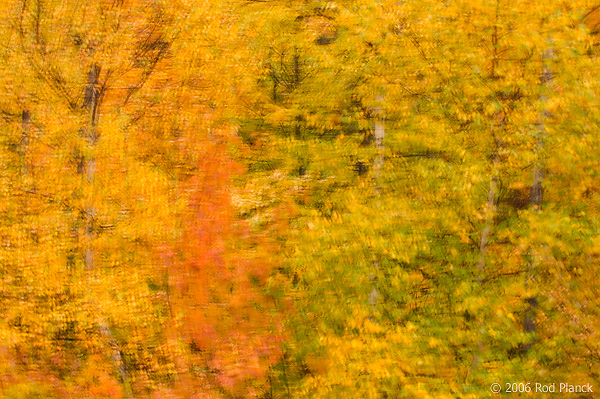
(298, 199)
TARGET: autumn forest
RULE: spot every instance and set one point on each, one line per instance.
(279, 199)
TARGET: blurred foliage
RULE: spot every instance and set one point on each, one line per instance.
(320, 199)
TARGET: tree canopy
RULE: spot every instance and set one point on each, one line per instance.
(299, 199)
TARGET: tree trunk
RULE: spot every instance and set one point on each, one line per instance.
(537, 189)
(379, 135)
(91, 103)
(490, 211)
(537, 193)
(490, 205)
(25, 135)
